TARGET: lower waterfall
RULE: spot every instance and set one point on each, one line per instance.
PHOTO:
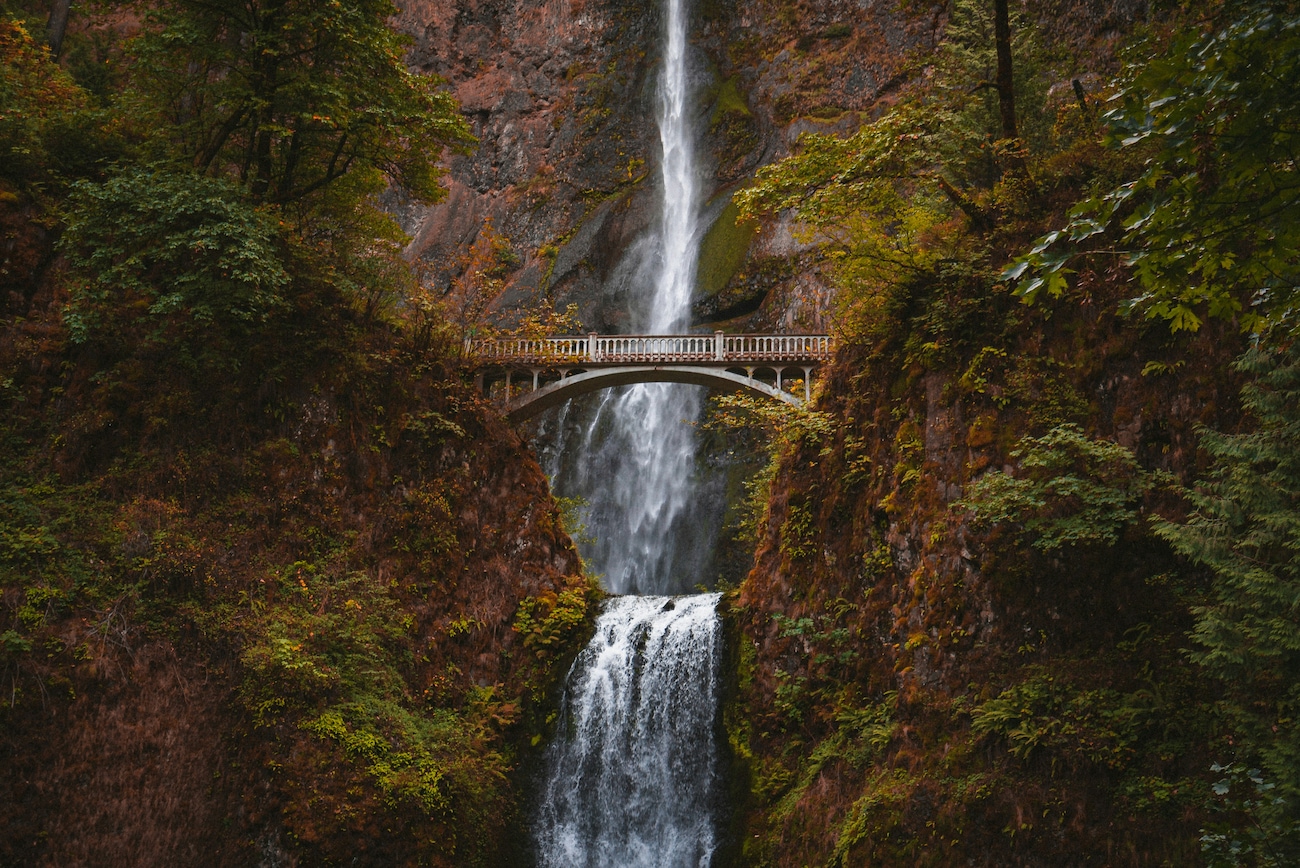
(633, 777)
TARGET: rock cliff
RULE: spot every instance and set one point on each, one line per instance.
(561, 98)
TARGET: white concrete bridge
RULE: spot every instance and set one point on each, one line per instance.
(531, 374)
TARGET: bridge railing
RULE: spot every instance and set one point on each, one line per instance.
(545, 350)
(777, 347)
(615, 349)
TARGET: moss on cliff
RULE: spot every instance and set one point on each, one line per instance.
(723, 251)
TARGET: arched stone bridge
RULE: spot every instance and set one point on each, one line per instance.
(531, 374)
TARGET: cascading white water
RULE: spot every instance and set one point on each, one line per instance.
(638, 467)
(680, 217)
(632, 777)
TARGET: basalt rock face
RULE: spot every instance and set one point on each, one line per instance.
(920, 688)
(560, 95)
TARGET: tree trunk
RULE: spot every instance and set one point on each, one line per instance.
(1005, 83)
(58, 26)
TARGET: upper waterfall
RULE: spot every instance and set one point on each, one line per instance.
(654, 531)
(679, 220)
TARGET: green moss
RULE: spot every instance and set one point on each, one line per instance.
(729, 101)
(724, 250)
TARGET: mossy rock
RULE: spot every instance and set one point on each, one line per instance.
(723, 251)
(729, 101)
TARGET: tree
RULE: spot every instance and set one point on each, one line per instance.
(289, 96)
(171, 244)
(58, 25)
(1245, 527)
(37, 99)
(1209, 221)
(283, 119)
(1005, 80)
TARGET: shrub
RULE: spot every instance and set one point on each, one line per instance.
(1072, 490)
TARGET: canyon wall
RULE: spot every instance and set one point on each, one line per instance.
(560, 96)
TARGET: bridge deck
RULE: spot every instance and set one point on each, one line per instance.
(608, 350)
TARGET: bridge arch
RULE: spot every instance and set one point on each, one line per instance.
(552, 394)
(591, 362)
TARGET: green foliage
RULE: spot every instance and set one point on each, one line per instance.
(175, 244)
(35, 518)
(798, 540)
(965, 69)
(290, 97)
(1267, 841)
(1210, 220)
(396, 748)
(1072, 490)
(37, 104)
(782, 422)
(830, 644)
(323, 651)
(549, 623)
(859, 737)
(783, 427)
(1100, 727)
(573, 511)
(431, 427)
(1245, 528)
(876, 192)
(324, 638)
(553, 626)
(886, 791)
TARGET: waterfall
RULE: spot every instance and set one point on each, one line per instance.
(632, 777)
(679, 222)
(638, 472)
